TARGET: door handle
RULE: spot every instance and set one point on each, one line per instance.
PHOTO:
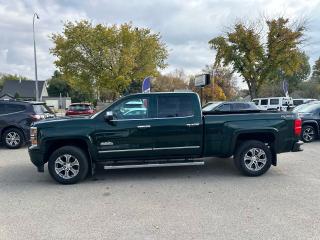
(192, 124)
(143, 126)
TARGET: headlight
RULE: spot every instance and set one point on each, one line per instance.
(34, 136)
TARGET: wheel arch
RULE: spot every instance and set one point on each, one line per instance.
(313, 124)
(13, 127)
(267, 136)
(84, 144)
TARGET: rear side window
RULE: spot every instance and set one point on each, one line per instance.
(244, 106)
(174, 106)
(13, 108)
(2, 109)
(274, 101)
(264, 101)
(80, 107)
(224, 108)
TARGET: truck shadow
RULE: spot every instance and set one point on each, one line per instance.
(214, 167)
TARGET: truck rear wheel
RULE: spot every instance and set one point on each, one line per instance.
(253, 158)
(68, 165)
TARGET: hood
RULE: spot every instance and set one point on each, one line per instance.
(61, 122)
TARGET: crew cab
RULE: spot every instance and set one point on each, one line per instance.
(170, 131)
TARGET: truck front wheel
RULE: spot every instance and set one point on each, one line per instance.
(68, 165)
(253, 158)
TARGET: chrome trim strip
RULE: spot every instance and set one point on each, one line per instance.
(150, 165)
(149, 149)
(120, 120)
(126, 150)
(177, 148)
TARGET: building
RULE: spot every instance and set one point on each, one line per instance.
(23, 89)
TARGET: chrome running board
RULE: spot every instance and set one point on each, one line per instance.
(153, 165)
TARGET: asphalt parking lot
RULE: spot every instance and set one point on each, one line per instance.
(204, 202)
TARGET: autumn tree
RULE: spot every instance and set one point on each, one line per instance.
(169, 82)
(99, 58)
(258, 62)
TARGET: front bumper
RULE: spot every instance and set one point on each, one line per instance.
(36, 157)
(297, 146)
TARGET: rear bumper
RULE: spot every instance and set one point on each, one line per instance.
(297, 146)
(36, 157)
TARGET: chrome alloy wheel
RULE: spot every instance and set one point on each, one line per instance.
(308, 134)
(255, 159)
(13, 139)
(67, 166)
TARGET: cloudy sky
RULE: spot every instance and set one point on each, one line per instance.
(185, 26)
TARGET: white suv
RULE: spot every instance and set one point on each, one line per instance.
(274, 103)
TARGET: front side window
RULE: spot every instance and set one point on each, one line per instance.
(274, 101)
(134, 108)
(174, 106)
(224, 108)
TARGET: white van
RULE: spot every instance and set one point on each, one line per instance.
(274, 103)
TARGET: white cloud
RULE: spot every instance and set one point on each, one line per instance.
(186, 26)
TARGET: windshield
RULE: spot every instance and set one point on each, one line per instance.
(309, 108)
(41, 109)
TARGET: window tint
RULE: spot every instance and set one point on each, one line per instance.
(224, 108)
(172, 106)
(297, 102)
(244, 106)
(12, 108)
(274, 101)
(136, 108)
(264, 101)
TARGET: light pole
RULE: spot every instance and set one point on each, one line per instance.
(35, 58)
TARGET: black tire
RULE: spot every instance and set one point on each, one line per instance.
(248, 159)
(13, 138)
(78, 162)
(308, 133)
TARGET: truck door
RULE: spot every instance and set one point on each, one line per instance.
(178, 125)
(129, 134)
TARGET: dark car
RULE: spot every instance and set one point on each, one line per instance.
(230, 107)
(76, 109)
(16, 118)
(310, 116)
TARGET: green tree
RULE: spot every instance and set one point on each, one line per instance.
(97, 58)
(316, 71)
(257, 62)
(58, 85)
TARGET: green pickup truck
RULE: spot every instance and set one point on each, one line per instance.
(161, 129)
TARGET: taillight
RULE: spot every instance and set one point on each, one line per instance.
(36, 117)
(297, 127)
(34, 136)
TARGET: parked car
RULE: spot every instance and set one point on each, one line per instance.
(230, 107)
(310, 115)
(274, 103)
(173, 132)
(76, 109)
(16, 118)
(299, 101)
(297, 108)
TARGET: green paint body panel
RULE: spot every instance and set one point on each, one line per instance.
(193, 136)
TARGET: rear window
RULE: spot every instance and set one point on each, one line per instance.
(310, 108)
(80, 107)
(264, 102)
(174, 106)
(41, 109)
